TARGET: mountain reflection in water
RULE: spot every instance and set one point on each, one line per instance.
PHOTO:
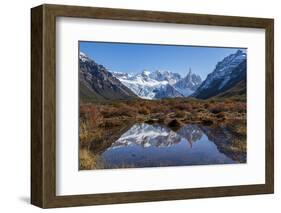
(145, 145)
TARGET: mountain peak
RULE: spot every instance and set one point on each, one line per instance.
(97, 83)
(238, 52)
(146, 72)
(83, 57)
(189, 71)
(82, 54)
(189, 83)
(227, 73)
(229, 62)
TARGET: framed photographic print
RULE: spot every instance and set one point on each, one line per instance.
(136, 106)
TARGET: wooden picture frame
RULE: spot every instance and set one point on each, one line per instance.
(43, 105)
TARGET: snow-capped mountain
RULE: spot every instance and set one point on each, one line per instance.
(147, 135)
(168, 76)
(227, 79)
(159, 84)
(97, 83)
(167, 91)
(83, 57)
(228, 73)
(141, 84)
(188, 84)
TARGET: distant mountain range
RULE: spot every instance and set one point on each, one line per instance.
(160, 84)
(97, 83)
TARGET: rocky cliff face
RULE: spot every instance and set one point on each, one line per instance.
(188, 84)
(97, 83)
(228, 73)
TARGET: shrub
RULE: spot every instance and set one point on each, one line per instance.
(200, 110)
(174, 123)
(111, 123)
(126, 111)
(144, 111)
(180, 114)
(122, 111)
(220, 115)
(86, 161)
(90, 114)
(159, 108)
(239, 107)
(151, 121)
(161, 120)
(207, 122)
(206, 105)
(183, 106)
(83, 132)
(217, 108)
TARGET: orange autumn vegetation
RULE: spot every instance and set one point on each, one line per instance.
(171, 112)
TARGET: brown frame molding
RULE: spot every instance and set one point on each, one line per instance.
(43, 105)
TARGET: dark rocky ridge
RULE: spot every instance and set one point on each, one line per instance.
(98, 84)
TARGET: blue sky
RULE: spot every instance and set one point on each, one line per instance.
(134, 58)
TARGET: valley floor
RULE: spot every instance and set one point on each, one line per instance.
(99, 121)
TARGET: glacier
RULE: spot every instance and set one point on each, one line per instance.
(159, 84)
